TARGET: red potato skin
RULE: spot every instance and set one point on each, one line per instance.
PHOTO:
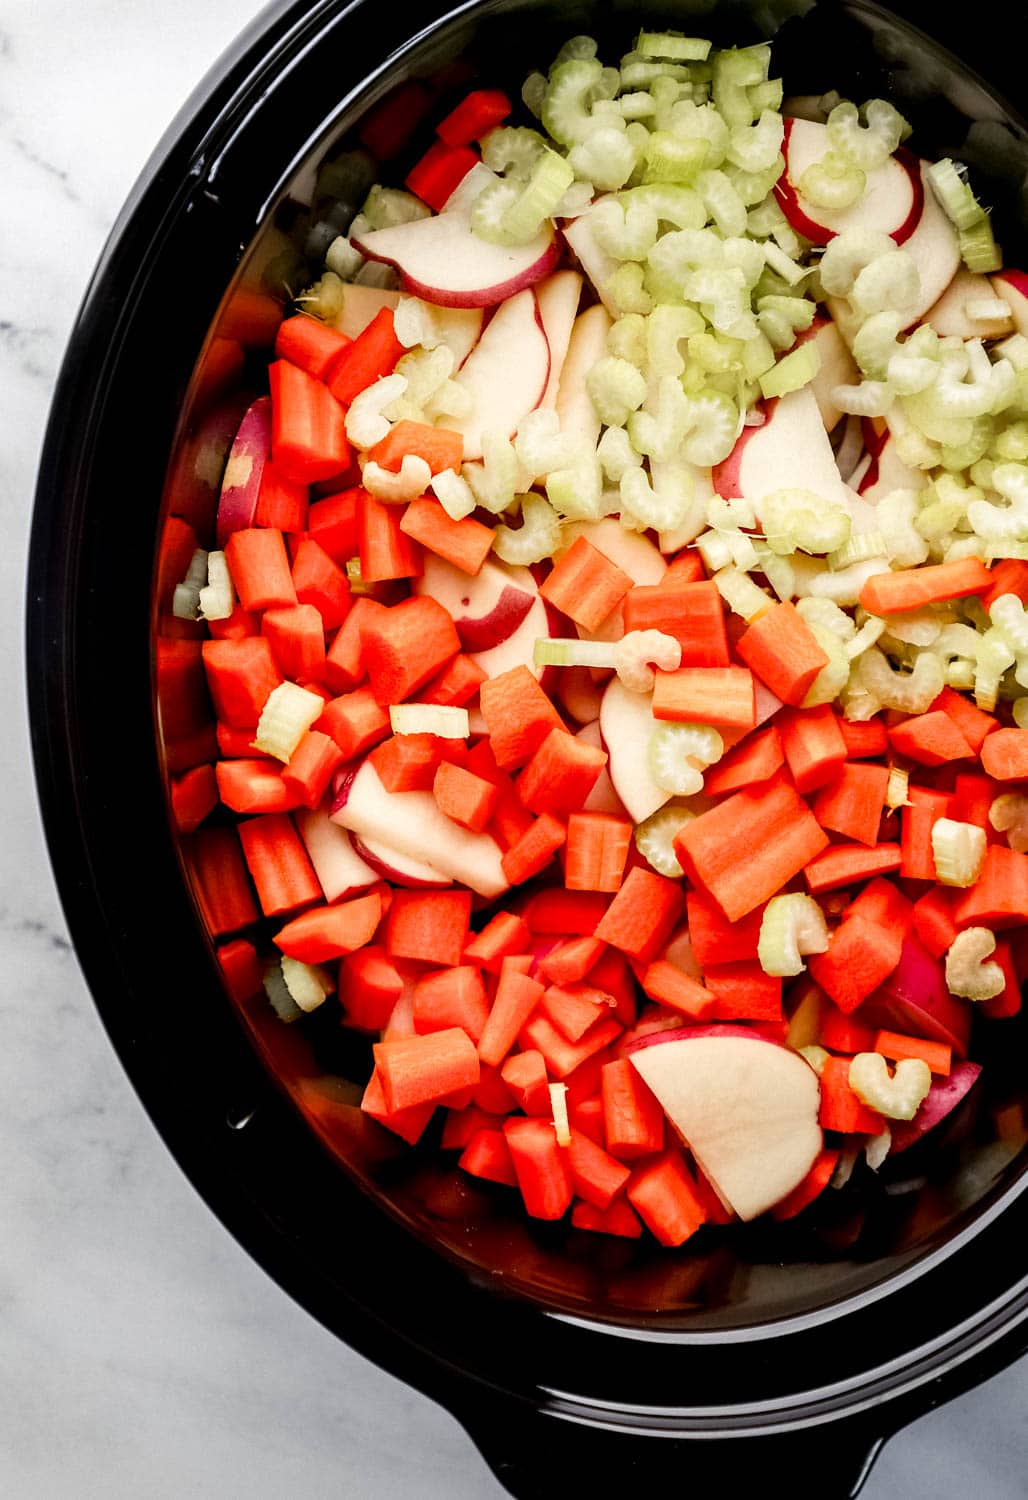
(942, 1099)
(914, 1000)
(241, 484)
(489, 296)
(389, 872)
(501, 622)
(726, 477)
(819, 234)
(690, 1033)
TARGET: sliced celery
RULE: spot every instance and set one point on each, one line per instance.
(430, 718)
(1009, 811)
(569, 652)
(673, 46)
(217, 597)
(282, 1002)
(655, 839)
(958, 850)
(309, 985)
(186, 599)
(287, 715)
(537, 538)
(616, 389)
(792, 927)
(978, 248)
(954, 194)
(967, 973)
(679, 753)
(897, 1096)
(634, 653)
(559, 1113)
(792, 372)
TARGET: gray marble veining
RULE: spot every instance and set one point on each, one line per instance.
(142, 1354)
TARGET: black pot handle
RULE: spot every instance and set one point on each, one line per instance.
(543, 1457)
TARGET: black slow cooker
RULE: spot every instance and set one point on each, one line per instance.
(785, 1356)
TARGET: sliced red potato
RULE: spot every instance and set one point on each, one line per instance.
(506, 374)
(340, 869)
(486, 609)
(892, 202)
(401, 869)
(950, 318)
(587, 344)
(558, 297)
(1012, 286)
(746, 1108)
(626, 724)
(241, 481)
(944, 1096)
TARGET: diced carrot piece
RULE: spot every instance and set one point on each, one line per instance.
(492, 1093)
(406, 762)
(406, 645)
(518, 716)
(1000, 897)
(309, 343)
(438, 446)
(742, 991)
(1008, 575)
(308, 429)
(516, 999)
(664, 1195)
(933, 920)
(643, 914)
(812, 1186)
(585, 585)
(237, 744)
(614, 974)
(330, 931)
(692, 613)
(462, 1125)
(321, 582)
(666, 983)
(356, 721)
(574, 1008)
(311, 767)
(503, 935)
(344, 662)
(372, 354)
(487, 1155)
(917, 820)
(597, 847)
(556, 912)
(841, 1109)
(748, 847)
(861, 956)
(845, 864)
(369, 987)
(913, 588)
(563, 1057)
(931, 739)
(240, 968)
(597, 1176)
(560, 774)
(533, 850)
(451, 997)
(543, 1173)
(839, 1032)
(755, 759)
(882, 903)
(278, 863)
(1008, 1002)
(456, 684)
(332, 523)
(524, 1073)
(571, 961)
(706, 695)
(193, 796)
(814, 746)
(633, 1118)
(1005, 755)
(425, 1069)
(973, 723)
(431, 926)
(852, 804)
(619, 1219)
(408, 1124)
(259, 564)
(782, 650)
(465, 544)
(972, 799)
(478, 113)
(385, 551)
(220, 881)
(864, 739)
(464, 797)
(440, 172)
(297, 639)
(254, 786)
(716, 940)
(281, 504)
(894, 1046)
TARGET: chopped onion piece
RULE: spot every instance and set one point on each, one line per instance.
(288, 713)
(430, 718)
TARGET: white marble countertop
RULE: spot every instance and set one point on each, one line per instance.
(141, 1352)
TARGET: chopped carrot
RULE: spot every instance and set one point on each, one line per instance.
(466, 543)
(332, 523)
(1000, 896)
(1005, 755)
(815, 749)
(1008, 575)
(464, 797)
(439, 447)
(754, 759)
(748, 847)
(839, 1032)
(297, 639)
(321, 582)
(971, 799)
(241, 969)
(619, 1219)
(328, 932)
(585, 585)
(742, 991)
(440, 172)
(571, 961)
(666, 983)
(543, 1174)
(812, 1186)
(487, 1155)
(193, 796)
(492, 1093)
(633, 1118)
(560, 774)
(706, 695)
(462, 1125)
(220, 881)
(308, 431)
(913, 588)
(565, 913)
(933, 920)
(524, 1073)
(259, 565)
(866, 738)
(534, 849)
(841, 1109)
(309, 343)
(372, 354)
(278, 864)
(431, 926)
(281, 503)
(563, 1057)
(456, 684)
(783, 652)
(518, 716)
(861, 956)
(938, 1055)
(643, 914)
(1008, 1002)
(852, 804)
(845, 864)
(406, 645)
(408, 1124)
(311, 767)
(478, 113)
(369, 987)
(503, 935)
(931, 739)
(451, 997)
(664, 1195)
(516, 999)
(356, 721)
(973, 723)
(716, 940)
(925, 808)
(574, 1008)
(597, 847)
(597, 1176)
(692, 613)
(406, 762)
(385, 551)
(425, 1069)
(880, 901)
(254, 786)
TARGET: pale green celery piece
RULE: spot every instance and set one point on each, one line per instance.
(800, 520)
(281, 1001)
(783, 265)
(713, 352)
(1010, 445)
(758, 356)
(490, 209)
(876, 343)
(765, 218)
(665, 329)
(741, 594)
(967, 973)
(871, 398)
(672, 46)
(678, 490)
(753, 187)
(538, 536)
(958, 850)
(674, 159)
(655, 839)
(513, 150)
(780, 574)
(541, 446)
(384, 207)
(871, 630)
(701, 121)
(833, 677)
(217, 597)
(424, 370)
(666, 93)
(606, 158)
(287, 715)
(324, 299)
(1008, 616)
(957, 459)
(714, 548)
(678, 755)
(662, 507)
(861, 546)
(896, 516)
(833, 182)
(735, 71)
(917, 627)
(776, 329)
(641, 72)
(616, 389)
(729, 515)
(616, 454)
(1013, 349)
(343, 259)
(992, 658)
(574, 86)
(911, 693)
(960, 675)
(548, 181)
(827, 614)
(792, 927)
(792, 372)
(767, 95)
(850, 253)
(640, 105)
(186, 601)
(897, 1096)
(745, 256)
(891, 282)
(713, 429)
(627, 339)
(695, 379)
(638, 652)
(660, 434)
(815, 1056)
(722, 202)
(569, 652)
(533, 92)
(453, 493)
(625, 228)
(755, 148)
(672, 204)
(499, 477)
(978, 249)
(1009, 812)
(575, 201)
(575, 49)
(909, 375)
(955, 196)
(867, 146)
(626, 291)
(576, 492)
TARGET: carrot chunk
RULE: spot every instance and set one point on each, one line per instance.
(852, 804)
(896, 1047)
(542, 1169)
(692, 613)
(534, 849)
(597, 1177)
(643, 914)
(330, 931)
(431, 926)
(518, 716)
(503, 935)
(666, 983)
(385, 551)
(861, 956)
(425, 1069)
(742, 991)
(259, 565)
(321, 582)
(931, 739)
(867, 738)
(516, 999)
(1000, 896)
(597, 847)
(220, 881)
(664, 1195)
(487, 1155)
(308, 429)
(406, 646)
(913, 588)
(438, 446)
(845, 864)
(464, 797)
(560, 774)
(466, 543)
(815, 749)
(1005, 755)
(525, 1075)
(356, 721)
(841, 1108)
(974, 724)
(451, 997)
(756, 758)
(633, 1118)
(372, 354)
(585, 585)
(278, 863)
(783, 652)
(706, 695)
